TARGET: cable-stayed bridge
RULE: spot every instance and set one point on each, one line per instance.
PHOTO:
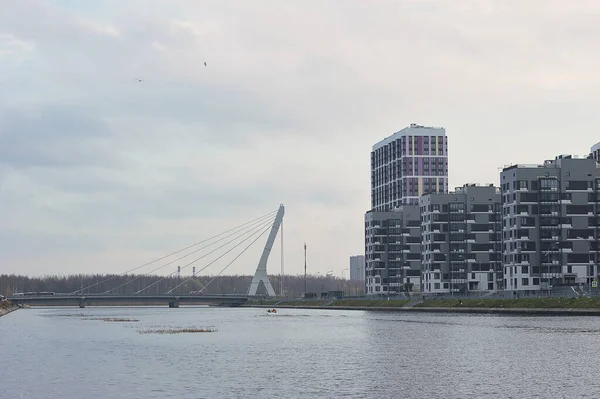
(237, 240)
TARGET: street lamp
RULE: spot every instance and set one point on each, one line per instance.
(305, 270)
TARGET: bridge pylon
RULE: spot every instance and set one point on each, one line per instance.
(261, 270)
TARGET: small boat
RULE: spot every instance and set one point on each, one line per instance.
(270, 311)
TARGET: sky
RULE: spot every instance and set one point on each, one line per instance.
(100, 173)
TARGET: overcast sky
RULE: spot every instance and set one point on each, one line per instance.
(100, 173)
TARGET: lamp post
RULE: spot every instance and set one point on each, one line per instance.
(305, 270)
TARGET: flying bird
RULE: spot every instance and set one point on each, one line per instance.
(205, 63)
(139, 80)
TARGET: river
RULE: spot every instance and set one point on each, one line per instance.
(72, 353)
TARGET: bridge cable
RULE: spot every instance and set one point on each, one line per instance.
(256, 226)
(234, 259)
(267, 225)
(270, 214)
(259, 226)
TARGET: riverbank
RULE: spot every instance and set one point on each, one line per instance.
(6, 308)
(528, 306)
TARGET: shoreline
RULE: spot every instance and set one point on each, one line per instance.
(468, 310)
(5, 311)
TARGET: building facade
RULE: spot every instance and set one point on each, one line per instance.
(595, 152)
(550, 223)
(357, 268)
(392, 251)
(461, 240)
(411, 162)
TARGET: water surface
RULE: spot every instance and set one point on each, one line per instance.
(73, 353)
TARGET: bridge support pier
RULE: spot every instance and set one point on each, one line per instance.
(173, 304)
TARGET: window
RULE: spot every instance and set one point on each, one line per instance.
(525, 281)
(523, 184)
(546, 184)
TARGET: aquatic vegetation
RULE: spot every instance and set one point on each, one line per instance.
(178, 330)
(112, 319)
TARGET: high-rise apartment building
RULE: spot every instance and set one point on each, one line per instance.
(357, 268)
(392, 251)
(408, 164)
(461, 240)
(550, 223)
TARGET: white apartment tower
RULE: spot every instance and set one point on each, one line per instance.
(408, 164)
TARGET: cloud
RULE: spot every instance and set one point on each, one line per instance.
(12, 47)
(292, 99)
(54, 137)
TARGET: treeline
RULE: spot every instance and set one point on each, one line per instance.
(144, 284)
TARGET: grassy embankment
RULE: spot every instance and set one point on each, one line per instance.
(333, 304)
(522, 303)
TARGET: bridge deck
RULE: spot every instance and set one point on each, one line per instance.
(129, 300)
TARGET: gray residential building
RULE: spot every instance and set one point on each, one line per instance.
(550, 223)
(407, 164)
(392, 251)
(595, 152)
(357, 268)
(461, 240)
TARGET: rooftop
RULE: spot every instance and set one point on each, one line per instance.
(412, 130)
(465, 188)
(549, 163)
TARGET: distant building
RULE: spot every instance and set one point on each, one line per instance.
(392, 251)
(461, 240)
(409, 163)
(551, 227)
(357, 268)
(595, 152)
